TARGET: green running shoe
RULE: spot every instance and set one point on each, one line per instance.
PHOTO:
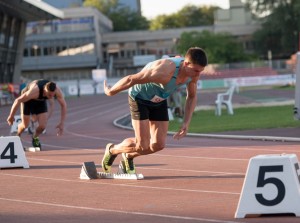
(129, 165)
(36, 142)
(108, 158)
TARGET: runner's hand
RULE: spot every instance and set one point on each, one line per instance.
(106, 88)
(10, 120)
(60, 129)
(181, 133)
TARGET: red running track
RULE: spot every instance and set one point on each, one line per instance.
(192, 180)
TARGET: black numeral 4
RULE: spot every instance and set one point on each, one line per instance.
(11, 148)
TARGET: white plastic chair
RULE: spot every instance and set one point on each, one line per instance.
(225, 99)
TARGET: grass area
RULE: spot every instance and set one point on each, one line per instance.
(243, 119)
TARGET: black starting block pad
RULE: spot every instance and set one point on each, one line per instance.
(89, 171)
(32, 149)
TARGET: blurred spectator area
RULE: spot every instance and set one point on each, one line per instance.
(8, 92)
(237, 72)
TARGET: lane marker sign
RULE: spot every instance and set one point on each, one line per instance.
(12, 153)
(271, 186)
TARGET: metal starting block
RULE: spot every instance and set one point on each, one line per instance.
(124, 176)
(89, 171)
(32, 149)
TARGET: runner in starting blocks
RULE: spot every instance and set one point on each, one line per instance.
(89, 171)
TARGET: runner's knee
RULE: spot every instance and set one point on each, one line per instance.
(142, 148)
(155, 147)
(147, 148)
(42, 127)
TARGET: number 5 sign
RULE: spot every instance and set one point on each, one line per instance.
(12, 153)
(271, 186)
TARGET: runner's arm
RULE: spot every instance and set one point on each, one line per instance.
(51, 107)
(160, 72)
(190, 104)
(63, 111)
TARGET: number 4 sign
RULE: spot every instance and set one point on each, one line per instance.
(12, 153)
(271, 186)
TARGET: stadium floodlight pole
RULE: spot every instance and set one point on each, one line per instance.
(297, 89)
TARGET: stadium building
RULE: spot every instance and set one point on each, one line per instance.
(84, 40)
(14, 15)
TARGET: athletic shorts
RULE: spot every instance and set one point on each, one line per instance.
(142, 110)
(35, 107)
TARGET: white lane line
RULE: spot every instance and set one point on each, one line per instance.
(55, 161)
(269, 149)
(117, 211)
(79, 110)
(185, 157)
(279, 151)
(147, 168)
(193, 171)
(256, 148)
(96, 114)
(200, 157)
(124, 185)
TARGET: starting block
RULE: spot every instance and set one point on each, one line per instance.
(89, 171)
(32, 149)
(271, 186)
(12, 153)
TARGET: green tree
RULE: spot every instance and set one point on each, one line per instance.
(280, 26)
(220, 47)
(123, 18)
(188, 16)
(265, 7)
(104, 6)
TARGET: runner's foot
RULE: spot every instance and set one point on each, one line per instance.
(108, 158)
(36, 142)
(129, 165)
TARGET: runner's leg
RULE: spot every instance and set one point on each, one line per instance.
(137, 145)
(146, 141)
(25, 119)
(42, 120)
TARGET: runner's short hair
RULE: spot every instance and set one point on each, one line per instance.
(51, 86)
(197, 55)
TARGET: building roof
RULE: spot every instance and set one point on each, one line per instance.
(30, 10)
